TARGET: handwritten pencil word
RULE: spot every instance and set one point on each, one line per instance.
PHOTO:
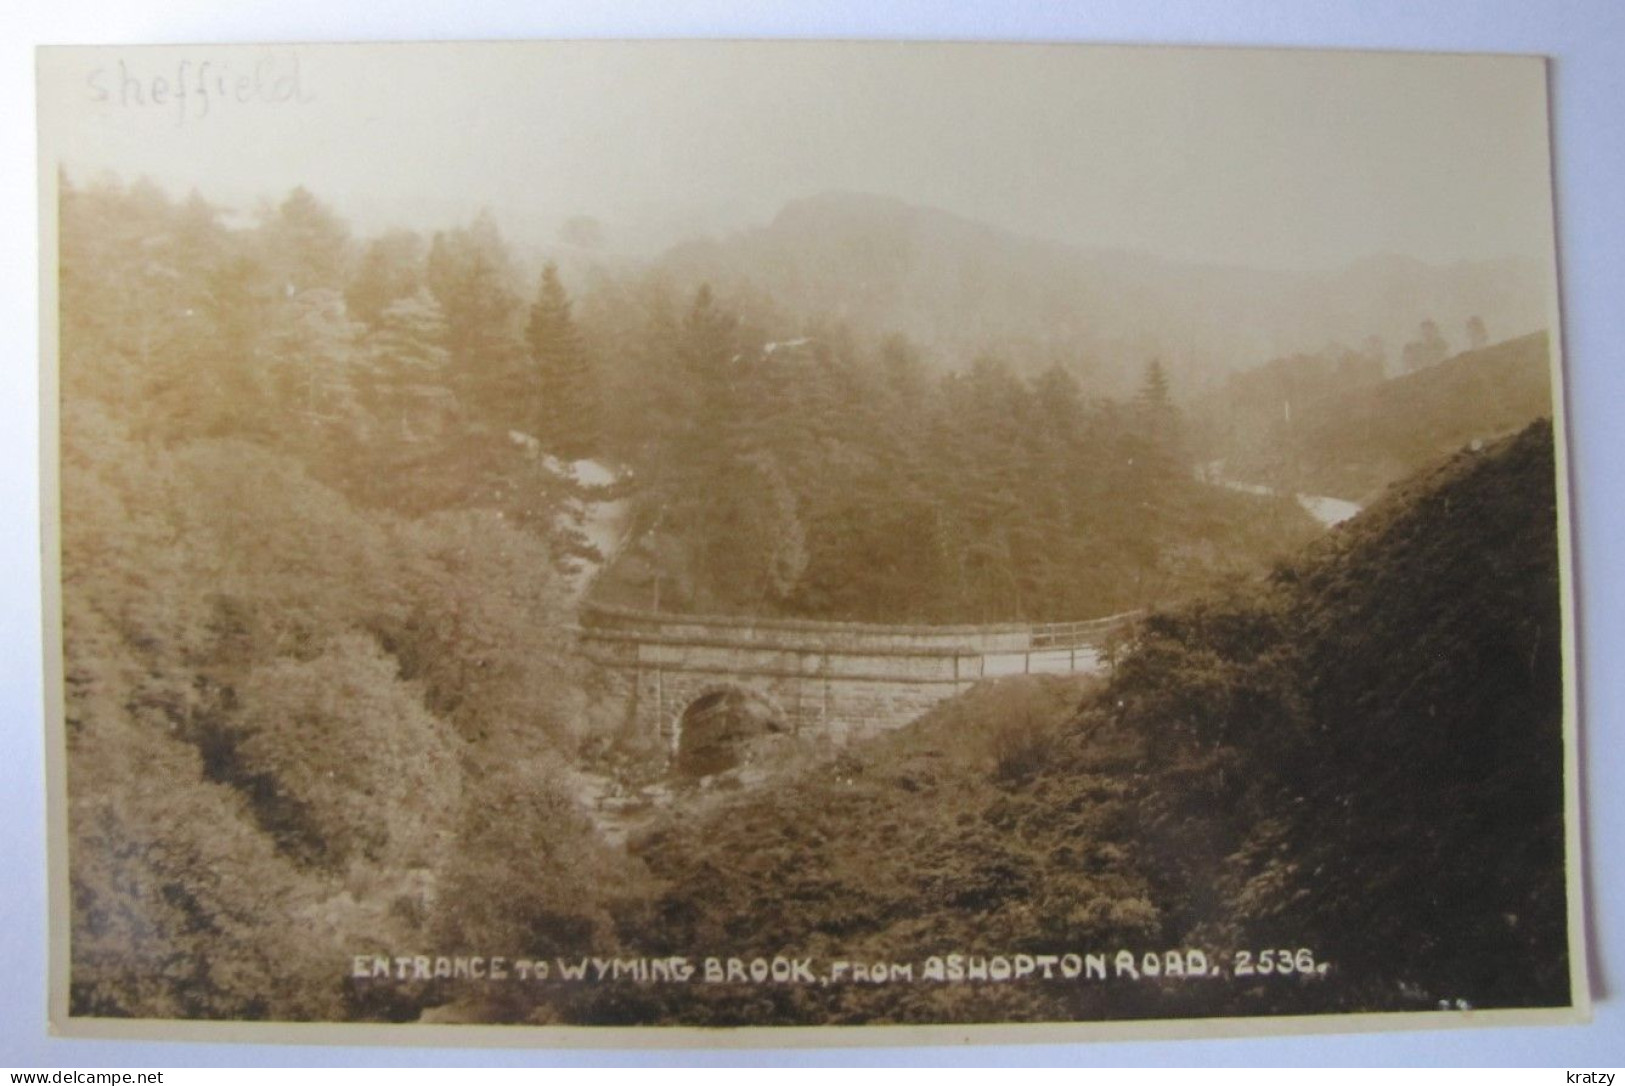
(194, 90)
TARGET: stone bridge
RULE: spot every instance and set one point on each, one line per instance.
(827, 681)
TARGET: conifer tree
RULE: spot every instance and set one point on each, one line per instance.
(563, 396)
(1157, 471)
(308, 245)
(1153, 396)
(408, 394)
(391, 268)
(1428, 349)
(469, 271)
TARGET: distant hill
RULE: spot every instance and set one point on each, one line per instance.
(1360, 759)
(959, 287)
(1352, 445)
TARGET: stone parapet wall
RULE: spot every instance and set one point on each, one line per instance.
(801, 633)
(718, 659)
(823, 681)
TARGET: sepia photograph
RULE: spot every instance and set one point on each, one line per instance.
(633, 541)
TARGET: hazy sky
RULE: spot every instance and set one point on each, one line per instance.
(1269, 159)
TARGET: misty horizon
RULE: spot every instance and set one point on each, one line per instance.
(536, 237)
(879, 265)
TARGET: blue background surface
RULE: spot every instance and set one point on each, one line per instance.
(1585, 39)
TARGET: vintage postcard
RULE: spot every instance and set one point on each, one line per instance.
(797, 543)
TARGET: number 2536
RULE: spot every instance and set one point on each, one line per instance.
(1265, 962)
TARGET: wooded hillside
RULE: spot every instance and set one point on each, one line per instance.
(1361, 756)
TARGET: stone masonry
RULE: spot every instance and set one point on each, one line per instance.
(824, 680)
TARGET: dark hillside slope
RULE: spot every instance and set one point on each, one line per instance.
(1394, 704)
(1361, 756)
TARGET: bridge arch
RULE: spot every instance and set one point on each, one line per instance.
(710, 732)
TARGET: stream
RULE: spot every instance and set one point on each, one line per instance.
(1328, 512)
